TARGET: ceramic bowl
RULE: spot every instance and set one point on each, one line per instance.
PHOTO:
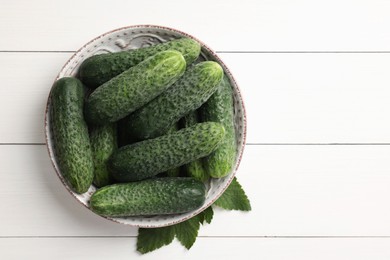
(133, 37)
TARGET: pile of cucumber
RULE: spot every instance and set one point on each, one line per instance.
(157, 125)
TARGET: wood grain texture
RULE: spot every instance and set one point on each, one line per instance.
(204, 248)
(294, 190)
(290, 98)
(226, 25)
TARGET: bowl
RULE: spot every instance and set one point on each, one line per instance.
(132, 37)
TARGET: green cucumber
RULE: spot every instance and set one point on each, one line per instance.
(158, 196)
(148, 158)
(70, 134)
(195, 168)
(174, 172)
(187, 94)
(133, 88)
(103, 143)
(219, 108)
(99, 69)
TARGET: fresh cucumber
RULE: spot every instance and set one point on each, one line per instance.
(103, 143)
(148, 158)
(195, 168)
(133, 88)
(219, 108)
(187, 94)
(98, 69)
(70, 134)
(174, 172)
(158, 196)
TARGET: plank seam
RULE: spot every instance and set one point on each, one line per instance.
(309, 52)
(265, 237)
(335, 144)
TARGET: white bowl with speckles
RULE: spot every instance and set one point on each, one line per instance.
(133, 37)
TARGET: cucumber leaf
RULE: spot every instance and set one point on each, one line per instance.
(187, 231)
(150, 239)
(234, 198)
(206, 215)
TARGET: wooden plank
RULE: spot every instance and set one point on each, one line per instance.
(252, 25)
(27, 79)
(295, 191)
(208, 248)
(310, 98)
(290, 98)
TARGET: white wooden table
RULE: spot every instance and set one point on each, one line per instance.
(315, 76)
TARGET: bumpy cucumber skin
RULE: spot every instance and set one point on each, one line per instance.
(187, 94)
(195, 168)
(99, 69)
(148, 158)
(158, 196)
(103, 144)
(70, 134)
(219, 108)
(174, 172)
(133, 88)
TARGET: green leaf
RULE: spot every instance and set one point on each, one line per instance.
(150, 239)
(187, 231)
(206, 215)
(234, 198)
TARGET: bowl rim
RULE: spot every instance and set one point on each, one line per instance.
(231, 78)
